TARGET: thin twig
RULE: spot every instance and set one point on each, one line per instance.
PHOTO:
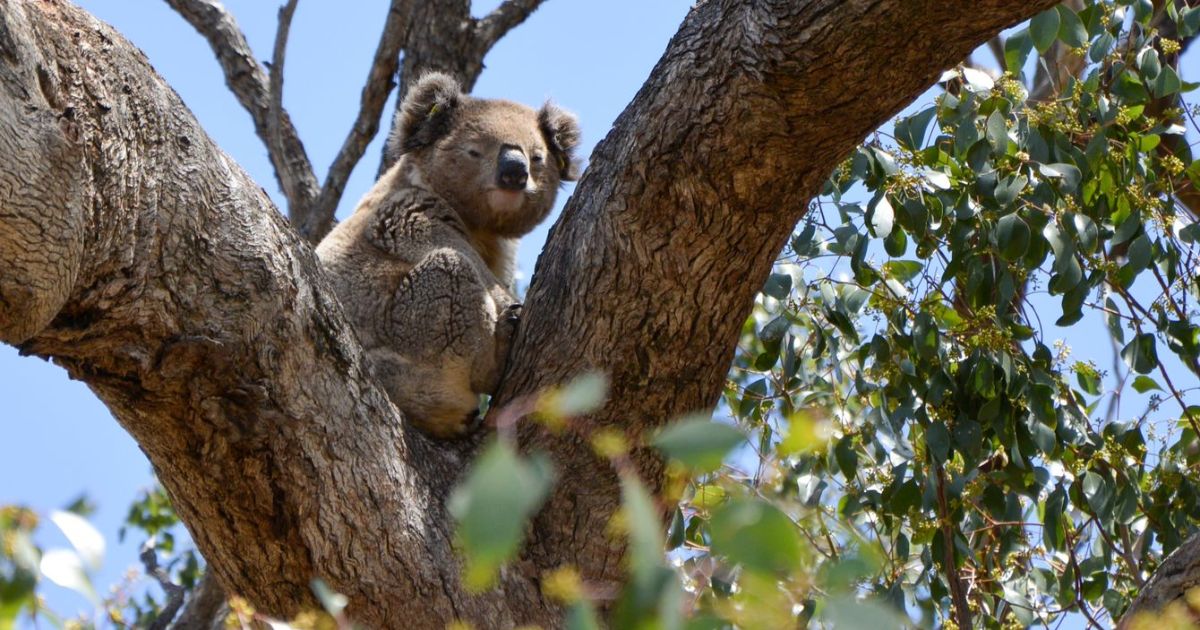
(1080, 600)
(380, 81)
(958, 588)
(275, 101)
(493, 26)
(247, 79)
(174, 591)
(996, 45)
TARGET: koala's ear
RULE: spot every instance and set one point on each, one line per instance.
(561, 129)
(426, 113)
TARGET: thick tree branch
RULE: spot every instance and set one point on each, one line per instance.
(380, 82)
(493, 26)
(1178, 574)
(140, 258)
(247, 79)
(205, 608)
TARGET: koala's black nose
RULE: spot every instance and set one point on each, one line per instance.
(512, 172)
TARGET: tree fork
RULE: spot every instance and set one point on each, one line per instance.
(137, 255)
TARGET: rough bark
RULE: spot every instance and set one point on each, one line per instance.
(1178, 574)
(139, 257)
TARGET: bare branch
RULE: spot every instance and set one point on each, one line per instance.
(275, 101)
(174, 591)
(380, 81)
(206, 607)
(996, 46)
(247, 79)
(496, 24)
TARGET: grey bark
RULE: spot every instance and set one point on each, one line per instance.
(135, 254)
(1178, 574)
(141, 259)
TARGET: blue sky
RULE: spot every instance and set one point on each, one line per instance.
(590, 57)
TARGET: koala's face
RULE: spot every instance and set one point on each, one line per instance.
(497, 162)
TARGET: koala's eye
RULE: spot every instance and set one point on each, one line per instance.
(473, 153)
(537, 158)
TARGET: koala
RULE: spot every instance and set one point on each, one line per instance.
(424, 267)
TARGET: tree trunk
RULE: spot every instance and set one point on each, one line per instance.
(138, 256)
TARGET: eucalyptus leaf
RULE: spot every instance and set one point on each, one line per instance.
(1043, 28)
(1012, 237)
(1071, 30)
(1141, 354)
(756, 535)
(1016, 51)
(491, 507)
(699, 443)
(997, 133)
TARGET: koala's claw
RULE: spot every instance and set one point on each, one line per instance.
(512, 313)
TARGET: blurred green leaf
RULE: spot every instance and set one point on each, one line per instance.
(83, 536)
(499, 495)
(757, 535)
(698, 442)
(850, 613)
(582, 395)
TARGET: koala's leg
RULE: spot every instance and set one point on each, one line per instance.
(428, 393)
(444, 321)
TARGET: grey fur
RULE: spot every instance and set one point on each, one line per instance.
(424, 266)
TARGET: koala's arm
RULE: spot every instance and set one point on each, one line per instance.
(450, 321)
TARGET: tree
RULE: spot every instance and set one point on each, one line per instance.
(138, 258)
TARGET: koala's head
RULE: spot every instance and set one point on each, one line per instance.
(497, 162)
